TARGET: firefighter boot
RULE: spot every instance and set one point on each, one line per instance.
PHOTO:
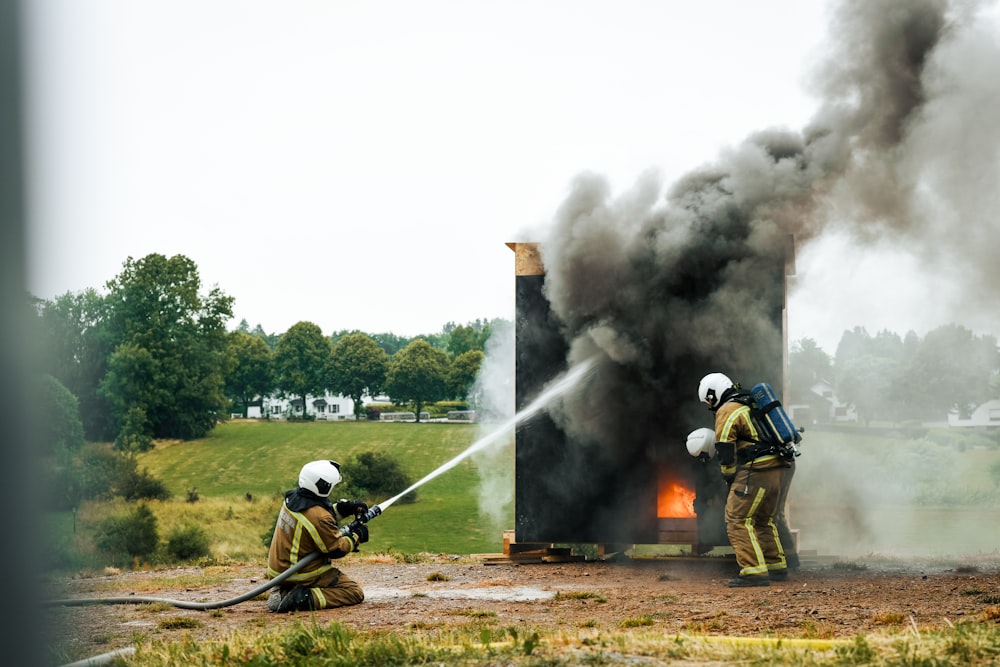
(298, 599)
(742, 582)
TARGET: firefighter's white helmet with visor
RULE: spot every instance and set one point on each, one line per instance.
(701, 443)
(711, 388)
(320, 477)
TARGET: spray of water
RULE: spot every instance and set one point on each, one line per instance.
(557, 388)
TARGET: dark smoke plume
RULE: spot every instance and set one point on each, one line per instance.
(905, 145)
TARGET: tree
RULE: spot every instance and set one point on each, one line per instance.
(951, 370)
(169, 346)
(58, 418)
(869, 372)
(462, 339)
(462, 373)
(418, 374)
(71, 334)
(808, 364)
(357, 366)
(269, 338)
(390, 342)
(252, 373)
(300, 360)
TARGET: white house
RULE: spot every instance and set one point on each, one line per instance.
(987, 414)
(329, 407)
(836, 410)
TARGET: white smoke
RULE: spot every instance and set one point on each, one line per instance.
(494, 389)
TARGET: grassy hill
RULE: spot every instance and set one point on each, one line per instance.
(263, 459)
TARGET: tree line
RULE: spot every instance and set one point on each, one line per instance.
(896, 379)
(152, 358)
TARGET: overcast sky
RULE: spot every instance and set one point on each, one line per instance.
(361, 165)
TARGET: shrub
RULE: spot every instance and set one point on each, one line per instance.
(99, 473)
(133, 535)
(134, 435)
(376, 475)
(188, 543)
(134, 484)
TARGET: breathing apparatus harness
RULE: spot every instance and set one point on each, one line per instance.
(769, 442)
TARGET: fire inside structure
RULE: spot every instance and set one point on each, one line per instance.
(658, 495)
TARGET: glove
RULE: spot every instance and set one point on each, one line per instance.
(346, 508)
(359, 533)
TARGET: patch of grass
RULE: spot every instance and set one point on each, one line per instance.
(579, 595)
(707, 627)
(180, 623)
(438, 576)
(973, 591)
(636, 622)
(990, 614)
(300, 644)
(888, 617)
(810, 629)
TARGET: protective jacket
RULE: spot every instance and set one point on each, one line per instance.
(737, 440)
(306, 523)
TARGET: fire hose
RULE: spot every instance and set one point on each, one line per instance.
(204, 606)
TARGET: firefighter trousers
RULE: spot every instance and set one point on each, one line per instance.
(332, 589)
(785, 537)
(750, 520)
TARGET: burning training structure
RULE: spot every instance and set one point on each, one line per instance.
(652, 287)
(642, 487)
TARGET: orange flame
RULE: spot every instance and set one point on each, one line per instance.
(674, 500)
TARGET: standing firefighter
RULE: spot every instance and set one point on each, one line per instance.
(755, 474)
(307, 523)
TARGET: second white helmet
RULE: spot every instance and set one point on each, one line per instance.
(700, 442)
(320, 477)
(711, 388)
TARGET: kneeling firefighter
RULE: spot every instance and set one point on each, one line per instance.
(755, 476)
(307, 522)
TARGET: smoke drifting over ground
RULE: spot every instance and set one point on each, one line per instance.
(905, 146)
(493, 395)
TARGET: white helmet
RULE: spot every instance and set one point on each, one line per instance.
(701, 441)
(711, 388)
(320, 477)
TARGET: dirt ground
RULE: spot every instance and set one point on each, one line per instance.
(825, 598)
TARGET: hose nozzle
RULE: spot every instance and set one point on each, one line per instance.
(373, 512)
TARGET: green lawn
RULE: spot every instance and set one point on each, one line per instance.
(263, 459)
(852, 492)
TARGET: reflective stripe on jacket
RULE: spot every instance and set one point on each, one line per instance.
(297, 534)
(733, 424)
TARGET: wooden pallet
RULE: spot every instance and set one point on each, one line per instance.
(528, 552)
